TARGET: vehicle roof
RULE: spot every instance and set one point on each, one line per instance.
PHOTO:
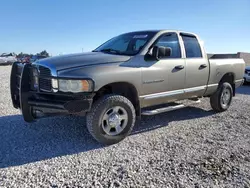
(163, 31)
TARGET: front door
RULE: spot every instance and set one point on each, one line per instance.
(164, 80)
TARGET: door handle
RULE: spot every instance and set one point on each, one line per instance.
(203, 65)
(179, 67)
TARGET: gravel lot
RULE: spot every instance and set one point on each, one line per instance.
(192, 147)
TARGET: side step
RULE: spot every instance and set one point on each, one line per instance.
(169, 108)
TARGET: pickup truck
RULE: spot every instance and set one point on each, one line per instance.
(133, 74)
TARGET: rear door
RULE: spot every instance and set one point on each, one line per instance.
(197, 66)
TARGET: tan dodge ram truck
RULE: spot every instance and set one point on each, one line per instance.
(128, 76)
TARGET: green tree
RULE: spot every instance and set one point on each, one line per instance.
(44, 53)
(20, 54)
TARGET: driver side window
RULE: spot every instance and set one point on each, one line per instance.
(170, 40)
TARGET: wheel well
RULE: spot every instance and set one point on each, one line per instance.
(229, 77)
(121, 88)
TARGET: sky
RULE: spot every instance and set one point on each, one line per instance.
(72, 26)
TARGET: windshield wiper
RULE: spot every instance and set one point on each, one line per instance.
(110, 50)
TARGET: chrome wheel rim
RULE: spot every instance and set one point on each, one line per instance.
(114, 120)
(225, 97)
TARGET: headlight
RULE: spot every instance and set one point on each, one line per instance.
(75, 86)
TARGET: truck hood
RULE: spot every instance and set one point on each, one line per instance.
(81, 59)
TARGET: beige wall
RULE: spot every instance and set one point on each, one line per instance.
(245, 56)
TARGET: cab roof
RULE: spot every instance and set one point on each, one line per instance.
(162, 31)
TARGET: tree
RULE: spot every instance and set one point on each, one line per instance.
(44, 53)
(20, 54)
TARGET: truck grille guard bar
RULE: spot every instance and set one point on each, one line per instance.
(19, 89)
(32, 101)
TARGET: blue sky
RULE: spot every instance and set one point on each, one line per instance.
(64, 26)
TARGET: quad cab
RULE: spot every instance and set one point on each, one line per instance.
(123, 79)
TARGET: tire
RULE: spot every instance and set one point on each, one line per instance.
(106, 107)
(216, 100)
(245, 82)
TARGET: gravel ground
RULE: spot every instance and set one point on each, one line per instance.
(192, 147)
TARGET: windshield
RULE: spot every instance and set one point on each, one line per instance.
(126, 44)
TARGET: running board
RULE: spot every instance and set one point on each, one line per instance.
(168, 109)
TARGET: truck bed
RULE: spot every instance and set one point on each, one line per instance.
(222, 56)
(236, 66)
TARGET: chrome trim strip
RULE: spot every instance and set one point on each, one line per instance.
(240, 80)
(171, 93)
(152, 81)
(163, 94)
(193, 89)
(177, 92)
(212, 85)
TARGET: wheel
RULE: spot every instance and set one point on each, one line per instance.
(222, 98)
(111, 119)
(245, 82)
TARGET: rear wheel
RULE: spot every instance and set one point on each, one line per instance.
(111, 119)
(222, 98)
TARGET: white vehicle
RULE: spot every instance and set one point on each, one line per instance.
(8, 58)
(247, 75)
(2, 60)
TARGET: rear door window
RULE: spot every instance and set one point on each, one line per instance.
(192, 46)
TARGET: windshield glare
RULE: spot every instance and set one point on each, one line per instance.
(126, 44)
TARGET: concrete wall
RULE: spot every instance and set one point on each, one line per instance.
(245, 56)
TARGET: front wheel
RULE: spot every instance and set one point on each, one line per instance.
(111, 119)
(222, 98)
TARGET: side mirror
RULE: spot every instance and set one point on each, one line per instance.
(159, 52)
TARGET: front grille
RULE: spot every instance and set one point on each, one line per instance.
(45, 79)
(45, 84)
(44, 71)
